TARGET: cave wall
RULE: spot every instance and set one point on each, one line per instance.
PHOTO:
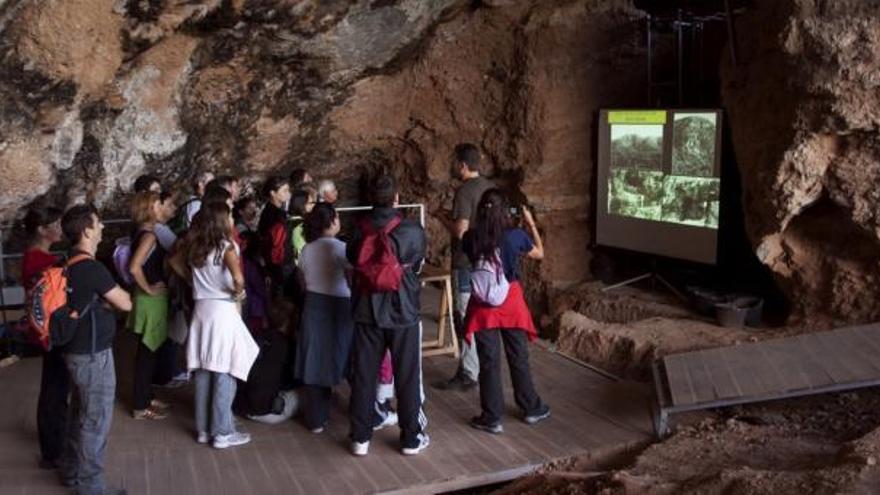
(804, 107)
(96, 92)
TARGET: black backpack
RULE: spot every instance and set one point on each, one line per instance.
(63, 324)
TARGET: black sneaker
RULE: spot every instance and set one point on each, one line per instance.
(458, 383)
(479, 423)
(423, 442)
(537, 417)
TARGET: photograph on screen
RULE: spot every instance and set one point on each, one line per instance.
(690, 201)
(693, 144)
(637, 147)
(635, 193)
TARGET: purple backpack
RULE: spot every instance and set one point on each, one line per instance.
(122, 258)
(488, 282)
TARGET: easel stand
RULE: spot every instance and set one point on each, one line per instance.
(444, 343)
(654, 277)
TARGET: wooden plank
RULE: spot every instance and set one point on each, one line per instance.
(868, 336)
(828, 356)
(765, 371)
(162, 457)
(780, 352)
(742, 371)
(680, 386)
(722, 381)
(816, 375)
(867, 348)
(604, 400)
(844, 345)
(701, 383)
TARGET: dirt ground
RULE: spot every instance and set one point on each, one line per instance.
(826, 444)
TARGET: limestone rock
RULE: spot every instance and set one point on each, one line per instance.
(76, 40)
(804, 109)
(629, 348)
(24, 172)
(149, 123)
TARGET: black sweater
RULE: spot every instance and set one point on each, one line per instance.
(392, 309)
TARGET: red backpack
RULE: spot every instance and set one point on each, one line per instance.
(48, 295)
(377, 268)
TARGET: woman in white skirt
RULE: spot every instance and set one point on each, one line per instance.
(220, 347)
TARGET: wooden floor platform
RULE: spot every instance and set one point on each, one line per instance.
(590, 413)
(808, 364)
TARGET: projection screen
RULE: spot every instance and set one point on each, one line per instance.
(659, 182)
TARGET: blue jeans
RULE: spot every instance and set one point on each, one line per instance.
(93, 379)
(470, 362)
(214, 394)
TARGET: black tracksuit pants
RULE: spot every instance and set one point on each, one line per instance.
(491, 395)
(52, 405)
(405, 344)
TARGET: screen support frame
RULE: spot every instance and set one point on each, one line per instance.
(651, 275)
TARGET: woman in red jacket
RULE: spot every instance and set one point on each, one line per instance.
(273, 232)
(493, 241)
(43, 229)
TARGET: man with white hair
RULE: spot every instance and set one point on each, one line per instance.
(327, 192)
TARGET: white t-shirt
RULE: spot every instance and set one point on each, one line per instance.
(165, 236)
(323, 264)
(214, 280)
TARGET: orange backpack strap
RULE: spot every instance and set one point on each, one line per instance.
(76, 259)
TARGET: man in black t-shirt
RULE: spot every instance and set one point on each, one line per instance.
(466, 165)
(89, 356)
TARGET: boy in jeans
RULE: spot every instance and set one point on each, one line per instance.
(89, 356)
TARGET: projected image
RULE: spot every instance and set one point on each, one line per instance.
(637, 147)
(659, 181)
(693, 144)
(691, 201)
(636, 193)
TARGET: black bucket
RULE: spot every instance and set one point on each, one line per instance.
(740, 311)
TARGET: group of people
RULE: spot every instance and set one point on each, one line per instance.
(270, 309)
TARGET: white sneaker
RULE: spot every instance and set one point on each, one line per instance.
(390, 420)
(424, 441)
(268, 419)
(360, 449)
(203, 437)
(231, 440)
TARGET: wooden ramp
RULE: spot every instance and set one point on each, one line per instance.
(591, 415)
(808, 364)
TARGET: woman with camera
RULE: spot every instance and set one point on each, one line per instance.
(497, 310)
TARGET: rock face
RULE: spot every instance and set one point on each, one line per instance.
(628, 349)
(804, 108)
(96, 92)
